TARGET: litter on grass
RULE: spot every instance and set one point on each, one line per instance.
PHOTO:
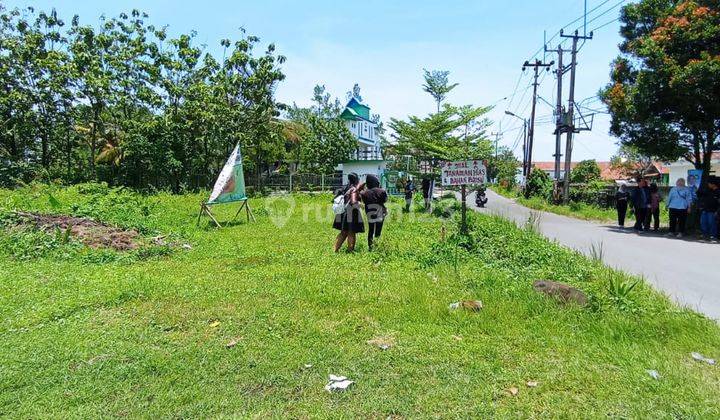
(233, 342)
(338, 383)
(653, 374)
(513, 391)
(469, 305)
(532, 384)
(700, 358)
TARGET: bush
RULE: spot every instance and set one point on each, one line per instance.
(538, 184)
(593, 193)
(13, 174)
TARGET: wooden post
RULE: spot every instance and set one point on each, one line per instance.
(463, 220)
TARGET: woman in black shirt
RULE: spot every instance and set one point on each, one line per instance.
(374, 199)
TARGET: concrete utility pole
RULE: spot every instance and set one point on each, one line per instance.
(559, 112)
(570, 116)
(537, 65)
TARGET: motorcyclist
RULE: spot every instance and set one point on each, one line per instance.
(480, 197)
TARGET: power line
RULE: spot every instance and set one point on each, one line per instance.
(606, 24)
(606, 11)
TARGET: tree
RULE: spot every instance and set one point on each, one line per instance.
(437, 85)
(324, 106)
(630, 162)
(122, 103)
(327, 143)
(665, 92)
(451, 134)
(323, 139)
(503, 166)
(355, 93)
(585, 172)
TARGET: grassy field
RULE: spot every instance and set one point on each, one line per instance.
(145, 333)
(577, 210)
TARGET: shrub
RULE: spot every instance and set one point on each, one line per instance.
(538, 184)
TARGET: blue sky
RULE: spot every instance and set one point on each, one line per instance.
(384, 45)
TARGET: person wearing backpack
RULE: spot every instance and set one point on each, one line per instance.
(348, 217)
(374, 197)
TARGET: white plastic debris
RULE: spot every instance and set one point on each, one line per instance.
(338, 383)
(308, 366)
(653, 374)
(470, 305)
(700, 358)
(186, 246)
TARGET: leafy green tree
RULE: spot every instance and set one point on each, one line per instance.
(122, 103)
(586, 171)
(630, 162)
(451, 134)
(503, 166)
(327, 143)
(438, 85)
(665, 92)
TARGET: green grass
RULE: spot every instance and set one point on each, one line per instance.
(145, 335)
(577, 210)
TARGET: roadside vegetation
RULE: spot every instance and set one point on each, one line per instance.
(250, 320)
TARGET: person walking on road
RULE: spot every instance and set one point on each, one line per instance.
(641, 203)
(374, 197)
(350, 222)
(709, 202)
(653, 214)
(621, 204)
(679, 203)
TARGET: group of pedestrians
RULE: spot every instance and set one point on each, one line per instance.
(645, 203)
(356, 197)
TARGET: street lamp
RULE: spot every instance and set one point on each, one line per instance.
(526, 164)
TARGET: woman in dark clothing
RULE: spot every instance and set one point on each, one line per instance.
(653, 213)
(374, 199)
(350, 222)
(641, 203)
(621, 204)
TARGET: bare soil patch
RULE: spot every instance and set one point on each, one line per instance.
(90, 232)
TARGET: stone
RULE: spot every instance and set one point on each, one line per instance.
(561, 292)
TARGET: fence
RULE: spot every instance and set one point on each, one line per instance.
(296, 182)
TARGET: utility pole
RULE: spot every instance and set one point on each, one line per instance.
(497, 139)
(537, 65)
(570, 116)
(559, 117)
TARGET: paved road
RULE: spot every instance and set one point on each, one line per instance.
(687, 271)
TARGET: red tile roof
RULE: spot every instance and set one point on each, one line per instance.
(607, 172)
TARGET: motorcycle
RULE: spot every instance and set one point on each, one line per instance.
(480, 198)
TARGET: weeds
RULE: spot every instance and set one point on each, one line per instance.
(532, 224)
(597, 251)
(619, 291)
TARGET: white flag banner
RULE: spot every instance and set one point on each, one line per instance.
(230, 185)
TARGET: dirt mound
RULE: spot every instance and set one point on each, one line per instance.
(90, 232)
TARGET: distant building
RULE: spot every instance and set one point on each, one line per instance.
(367, 157)
(680, 168)
(654, 170)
